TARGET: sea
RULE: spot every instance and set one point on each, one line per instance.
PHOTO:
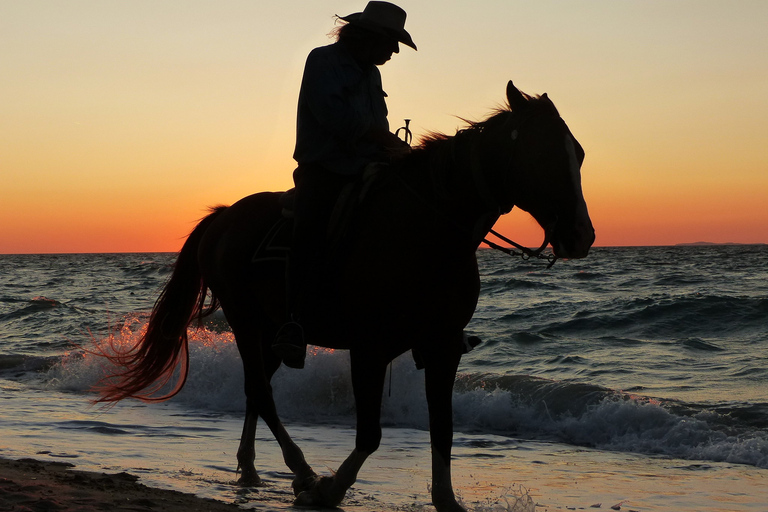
(635, 377)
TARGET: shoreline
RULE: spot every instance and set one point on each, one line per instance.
(536, 476)
(35, 485)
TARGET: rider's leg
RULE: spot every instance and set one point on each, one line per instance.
(316, 192)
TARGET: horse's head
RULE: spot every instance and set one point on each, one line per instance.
(543, 176)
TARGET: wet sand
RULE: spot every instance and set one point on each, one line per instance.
(560, 481)
(29, 485)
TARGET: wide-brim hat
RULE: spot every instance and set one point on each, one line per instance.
(383, 18)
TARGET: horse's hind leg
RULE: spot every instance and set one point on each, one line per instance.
(255, 368)
(246, 452)
(368, 386)
(259, 365)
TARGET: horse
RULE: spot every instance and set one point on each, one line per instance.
(405, 278)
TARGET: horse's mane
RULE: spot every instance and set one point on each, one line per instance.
(437, 153)
(431, 140)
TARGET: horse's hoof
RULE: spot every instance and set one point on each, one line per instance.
(448, 506)
(249, 480)
(321, 494)
(304, 499)
(303, 485)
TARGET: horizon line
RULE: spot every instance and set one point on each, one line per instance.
(682, 244)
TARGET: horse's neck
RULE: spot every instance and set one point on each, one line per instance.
(442, 181)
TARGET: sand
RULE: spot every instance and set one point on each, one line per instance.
(576, 481)
(29, 485)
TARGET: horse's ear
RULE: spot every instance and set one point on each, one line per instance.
(550, 104)
(515, 97)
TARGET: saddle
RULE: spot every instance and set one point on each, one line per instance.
(276, 245)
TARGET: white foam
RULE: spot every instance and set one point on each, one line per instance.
(322, 392)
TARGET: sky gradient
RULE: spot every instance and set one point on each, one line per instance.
(121, 122)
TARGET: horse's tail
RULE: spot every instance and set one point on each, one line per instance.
(150, 364)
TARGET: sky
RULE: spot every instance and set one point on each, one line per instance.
(121, 122)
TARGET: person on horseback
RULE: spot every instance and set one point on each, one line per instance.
(341, 127)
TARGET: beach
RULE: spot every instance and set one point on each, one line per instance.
(34, 485)
(541, 477)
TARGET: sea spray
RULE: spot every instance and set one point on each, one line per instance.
(521, 406)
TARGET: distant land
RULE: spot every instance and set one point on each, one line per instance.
(712, 243)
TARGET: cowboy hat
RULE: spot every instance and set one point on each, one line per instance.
(384, 18)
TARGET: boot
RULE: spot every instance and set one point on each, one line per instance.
(290, 346)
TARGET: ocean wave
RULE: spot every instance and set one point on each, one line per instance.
(700, 344)
(509, 405)
(648, 427)
(17, 366)
(12, 362)
(588, 276)
(665, 317)
(147, 268)
(526, 284)
(28, 307)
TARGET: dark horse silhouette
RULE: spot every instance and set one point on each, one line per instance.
(409, 280)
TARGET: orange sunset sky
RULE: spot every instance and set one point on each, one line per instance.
(121, 121)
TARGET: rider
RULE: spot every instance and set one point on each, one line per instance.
(341, 127)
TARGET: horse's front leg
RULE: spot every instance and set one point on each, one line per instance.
(440, 374)
(368, 385)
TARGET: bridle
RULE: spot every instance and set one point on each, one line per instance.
(483, 189)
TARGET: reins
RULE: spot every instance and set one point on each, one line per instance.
(524, 252)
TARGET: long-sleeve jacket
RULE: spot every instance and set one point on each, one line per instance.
(339, 102)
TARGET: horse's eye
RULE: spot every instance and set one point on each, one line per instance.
(514, 135)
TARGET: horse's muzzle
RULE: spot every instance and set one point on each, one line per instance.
(574, 242)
